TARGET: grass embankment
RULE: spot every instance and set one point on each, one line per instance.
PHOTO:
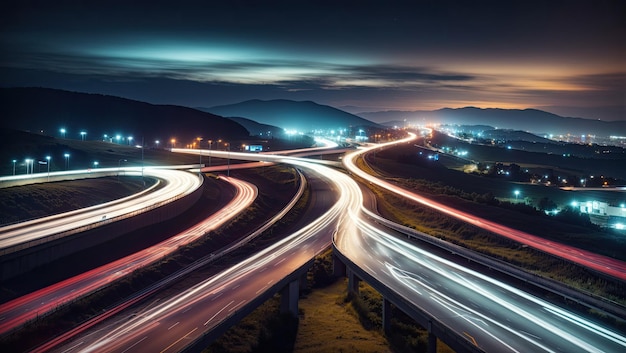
(276, 186)
(429, 221)
(20, 203)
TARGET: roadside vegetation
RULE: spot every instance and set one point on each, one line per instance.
(429, 221)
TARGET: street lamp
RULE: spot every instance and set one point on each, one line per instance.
(82, 135)
(119, 166)
(130, 139)
(62, 130)
(228, 167)
(67, 161)
(27, 162)
(48, 163)
(95, 164)
(210, 143)
(14, 166)
(516, 192)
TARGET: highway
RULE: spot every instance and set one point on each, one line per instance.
(495, 316)
(172, 185)
(491, 314)
(602, 264)
(18, 311)
(171, 323)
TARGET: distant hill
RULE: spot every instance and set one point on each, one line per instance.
(303, 116)
(531, 120)
(260, 130)
(45, 111)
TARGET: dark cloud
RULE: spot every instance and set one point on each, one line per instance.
(398, 54)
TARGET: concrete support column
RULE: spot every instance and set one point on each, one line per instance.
(339, 269)
(432, 339)
(386, 315)
(353, 282)
(304, 281)
(289, 298)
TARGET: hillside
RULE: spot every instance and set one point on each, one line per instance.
(45, 111)
(531, 120)
(303, 116)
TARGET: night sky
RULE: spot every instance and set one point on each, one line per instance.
(566, 57)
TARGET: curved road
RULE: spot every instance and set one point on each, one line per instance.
(172, 323)
(603, 264)
(28, 307)
(177, 184)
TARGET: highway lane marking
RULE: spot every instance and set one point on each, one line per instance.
(178, 340)
(217, 313)
(236, 286)
(531, 335)
(217, 296)
(280, 262)
(260, 290)
(136, 343)
(171, 327)
(236, 306)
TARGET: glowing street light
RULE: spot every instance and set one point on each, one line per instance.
(130, 139)
(62, 130)
(516, 192)
(14, 161)
(67, 161)
(27, 162)
(95, 164)
(48, 163)
(210, 144)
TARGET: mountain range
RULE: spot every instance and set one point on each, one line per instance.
(45, 111)
(531, 120)
(303, 116)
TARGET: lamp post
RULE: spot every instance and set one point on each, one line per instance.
(516, 192)
(67, 161)
(82, 135)
(48, 163)
(119, 166)
(62, 130)
(14, 166)
(210, 143)
(228, 160)
(95, 164)
(130, 139)
(27, 161)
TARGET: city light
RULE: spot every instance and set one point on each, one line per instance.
(67, 161)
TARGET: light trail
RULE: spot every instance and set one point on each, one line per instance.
(603, 264)
(22, 235)
(18, 311)
(242, 282)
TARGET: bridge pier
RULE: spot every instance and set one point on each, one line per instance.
(353, 282)
(289, 298)
(339, 268)
(386, 315)
(432, 339)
